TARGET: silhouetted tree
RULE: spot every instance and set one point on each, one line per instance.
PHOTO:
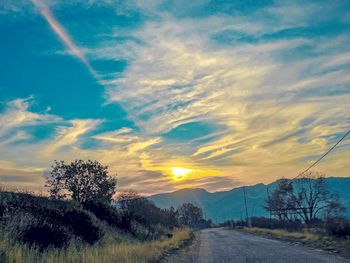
(305, 198)
(312, 196)
(140, 209)
(335, 208)
(82, 181)
(171, 217)
(128, 200)
(281, 202)
(189, 214)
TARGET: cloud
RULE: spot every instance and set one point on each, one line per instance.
(179, 74)
(14, 176)
(17, 114)
(274, 79)
(63, 35)
(67, 136)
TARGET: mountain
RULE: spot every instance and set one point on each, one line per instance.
(221, 206)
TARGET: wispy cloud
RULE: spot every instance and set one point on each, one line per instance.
(179, 74)
(69, 135)
(17, 114)
(63, 35)
(272, 81)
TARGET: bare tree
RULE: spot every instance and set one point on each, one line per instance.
(335, 208)
(311, 196)
(306, 198)
(280, 202)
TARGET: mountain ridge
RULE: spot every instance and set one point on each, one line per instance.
(229, 204)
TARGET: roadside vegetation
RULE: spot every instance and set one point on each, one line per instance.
(304, 211)
(83, 220)
(315, 238)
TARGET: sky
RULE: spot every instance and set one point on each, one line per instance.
(174, 94)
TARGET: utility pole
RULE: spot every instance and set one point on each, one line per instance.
(268, 197)
(246, 209)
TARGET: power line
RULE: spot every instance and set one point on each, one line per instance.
(324, 155)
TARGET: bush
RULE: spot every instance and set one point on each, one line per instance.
(45, 235)
(34, 232)
(62, 219)
(264, 222)
(339, 227)
(81, 225)
(103, 212)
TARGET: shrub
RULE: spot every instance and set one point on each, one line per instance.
(24, 213)
(81, 225)
(34, 232)
(103, 211)
(264, 222)
(45, 235)
(338, 226)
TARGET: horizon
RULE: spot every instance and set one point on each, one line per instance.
(236, 187)
(212, 96)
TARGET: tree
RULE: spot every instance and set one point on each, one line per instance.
(306, 198)
(311, 197)
(280, 203)
(335, 208)
(82, 181)
(138, 208)
(189, 214)
(129, 200)
(171, 218)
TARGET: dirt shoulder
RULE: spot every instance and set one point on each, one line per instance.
(185, 253)
(305, 238)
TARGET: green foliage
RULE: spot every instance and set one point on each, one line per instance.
(82, 181)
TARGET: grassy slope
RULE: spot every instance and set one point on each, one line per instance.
(110, 249)
(312, 239)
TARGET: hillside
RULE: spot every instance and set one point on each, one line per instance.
(40, 229)
(224, 205)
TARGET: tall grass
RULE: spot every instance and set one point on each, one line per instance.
(109, 249)
(282, 233)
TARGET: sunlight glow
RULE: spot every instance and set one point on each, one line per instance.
(179, 172)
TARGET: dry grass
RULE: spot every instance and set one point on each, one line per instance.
(129, 251)
(304, 236)
(311, 239)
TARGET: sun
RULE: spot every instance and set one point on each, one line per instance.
(179, 172)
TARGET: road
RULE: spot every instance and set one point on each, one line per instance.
(222, 246)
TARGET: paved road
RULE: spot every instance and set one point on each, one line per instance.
(221, 246)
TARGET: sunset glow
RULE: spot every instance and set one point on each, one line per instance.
(213, 96)
(179, 173)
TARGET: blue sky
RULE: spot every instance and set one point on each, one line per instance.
(231, 92)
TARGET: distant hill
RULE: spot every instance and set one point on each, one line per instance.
(221, 206)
